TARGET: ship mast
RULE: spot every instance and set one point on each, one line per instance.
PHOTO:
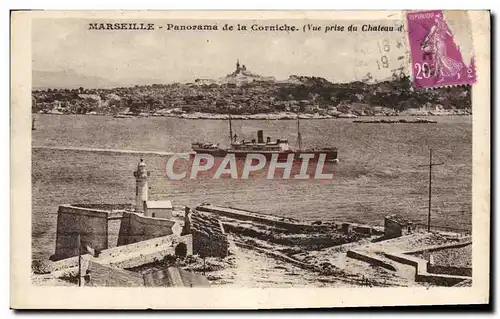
(299, 136)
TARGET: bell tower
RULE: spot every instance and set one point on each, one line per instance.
(141, 186)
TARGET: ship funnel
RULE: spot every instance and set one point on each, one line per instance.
(260, 136)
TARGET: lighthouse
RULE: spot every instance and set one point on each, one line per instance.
(141, 186)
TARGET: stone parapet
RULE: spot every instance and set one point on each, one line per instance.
(209, 237)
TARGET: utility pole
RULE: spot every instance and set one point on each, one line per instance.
(430, 165)
(204, 265)
(230, 131)
(299, 136)
(79, 261)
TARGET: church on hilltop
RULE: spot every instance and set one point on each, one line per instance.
(239, 76)
(242, 72)
(239, 69)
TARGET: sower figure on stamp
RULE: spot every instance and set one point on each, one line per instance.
(434, 46)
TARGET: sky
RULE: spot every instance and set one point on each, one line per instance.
(124, 57)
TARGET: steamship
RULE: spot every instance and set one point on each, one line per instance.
(267, 148)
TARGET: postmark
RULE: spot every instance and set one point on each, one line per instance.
(386, 55)
(437, 59)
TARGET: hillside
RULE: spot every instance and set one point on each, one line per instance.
(243, 92)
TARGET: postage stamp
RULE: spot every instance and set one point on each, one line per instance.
(436, 57)
(162, 154)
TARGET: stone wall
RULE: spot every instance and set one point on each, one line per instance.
(131, 255)
(275, 221)
(135, 228)
(124, 231)
(90, 224)
(104, 206)
(106, 276)
(174, 277)
(104, 228)
(100, 275)
(186, 228)
(285, 223)
(422, 275)
(113, 230)
(455, 260)
(449, 270)
(370, 258)
(209, 237)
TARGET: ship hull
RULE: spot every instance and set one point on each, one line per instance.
(330, 155)
(214, 152)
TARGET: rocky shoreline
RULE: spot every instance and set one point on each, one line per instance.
(291, 116)
(415, 121)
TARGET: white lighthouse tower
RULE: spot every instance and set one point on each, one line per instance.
(141, 186)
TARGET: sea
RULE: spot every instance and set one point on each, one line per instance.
(379, 172)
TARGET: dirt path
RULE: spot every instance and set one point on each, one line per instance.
(256, 270)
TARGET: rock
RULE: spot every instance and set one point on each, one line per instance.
(328, 269)
(42, 266)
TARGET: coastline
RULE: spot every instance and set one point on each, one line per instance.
(281, 115)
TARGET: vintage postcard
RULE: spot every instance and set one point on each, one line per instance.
(249, 160)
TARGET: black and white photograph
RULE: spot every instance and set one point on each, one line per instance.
(238, 152)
